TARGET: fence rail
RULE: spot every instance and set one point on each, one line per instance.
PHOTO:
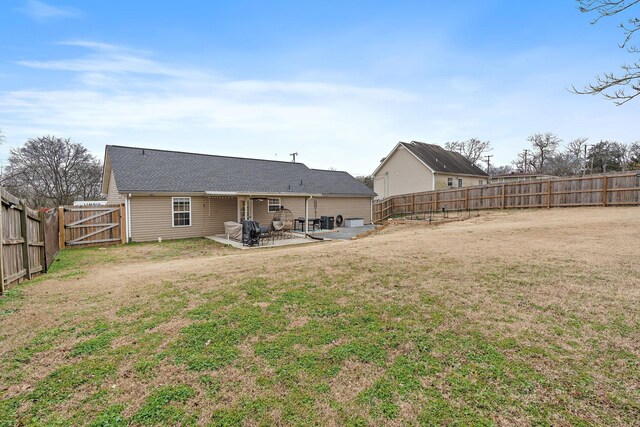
(622, 189)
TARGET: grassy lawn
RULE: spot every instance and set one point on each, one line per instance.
(528, 318)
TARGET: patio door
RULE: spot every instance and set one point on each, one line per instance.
(245, 209)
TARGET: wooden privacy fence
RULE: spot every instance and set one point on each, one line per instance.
(92, 225)
(622, 189)
(23, 251)
(31, 239)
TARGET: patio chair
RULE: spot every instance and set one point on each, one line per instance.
(282, 222)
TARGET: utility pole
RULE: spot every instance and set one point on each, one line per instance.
(294, 156)
(526, 163)
(489, 156)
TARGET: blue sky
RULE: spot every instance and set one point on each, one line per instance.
(338, 82)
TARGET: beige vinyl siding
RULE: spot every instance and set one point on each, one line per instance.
(348, 207)
(151, 217)
(401, 174)
(467, 181)
(260, 213)
(217, 211)
(113, 197)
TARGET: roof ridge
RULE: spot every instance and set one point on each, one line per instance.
(440, 159)
(206, 155)
(327, 170)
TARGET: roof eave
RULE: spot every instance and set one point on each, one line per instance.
(485, 175)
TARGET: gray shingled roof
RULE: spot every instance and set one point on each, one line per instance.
(441, 160)
(148, 170)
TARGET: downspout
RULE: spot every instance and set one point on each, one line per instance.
(128, 215)
(371, 210)
(433, 182)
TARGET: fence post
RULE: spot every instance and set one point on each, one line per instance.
(502, 205)
(549, 194)
(1, 245)
(604, 191)
(61, 227)
(435, 202)
(466, 198)
(43, 248)
(123, 224)
(24, 229)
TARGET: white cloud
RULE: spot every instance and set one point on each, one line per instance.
(123, 96)
(116, 95)
(44, 12)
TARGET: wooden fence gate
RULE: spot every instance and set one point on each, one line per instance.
(92, 225)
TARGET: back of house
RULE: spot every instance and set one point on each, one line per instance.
(173, 195)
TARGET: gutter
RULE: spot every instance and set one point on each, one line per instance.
(244, 193)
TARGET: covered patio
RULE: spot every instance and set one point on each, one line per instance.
(262, 207)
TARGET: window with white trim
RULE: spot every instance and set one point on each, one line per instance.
(481, 182)
(273, 205)
(181, 211)
(459, 182)
(449, 182)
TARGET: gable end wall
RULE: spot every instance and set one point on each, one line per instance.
(113, 197)
(402, 174)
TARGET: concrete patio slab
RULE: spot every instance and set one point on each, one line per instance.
(297, 239)
(342, 233)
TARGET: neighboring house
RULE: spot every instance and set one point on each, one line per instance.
(519, 177)
(415, 167)
(175, 195)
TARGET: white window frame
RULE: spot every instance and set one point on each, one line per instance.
(481, 182)
(459, 182)
(270, 205)
(449, 182)
(173, 212)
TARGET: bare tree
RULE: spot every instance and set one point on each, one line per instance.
(524, 162)
(564, 164)
(634, 156)
(544, 146)
(50, 171)
(570, 161)
(472, 149)
(577, 147)
(623, 87)
(501, 170)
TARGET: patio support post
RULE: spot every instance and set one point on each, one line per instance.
(306, 215)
